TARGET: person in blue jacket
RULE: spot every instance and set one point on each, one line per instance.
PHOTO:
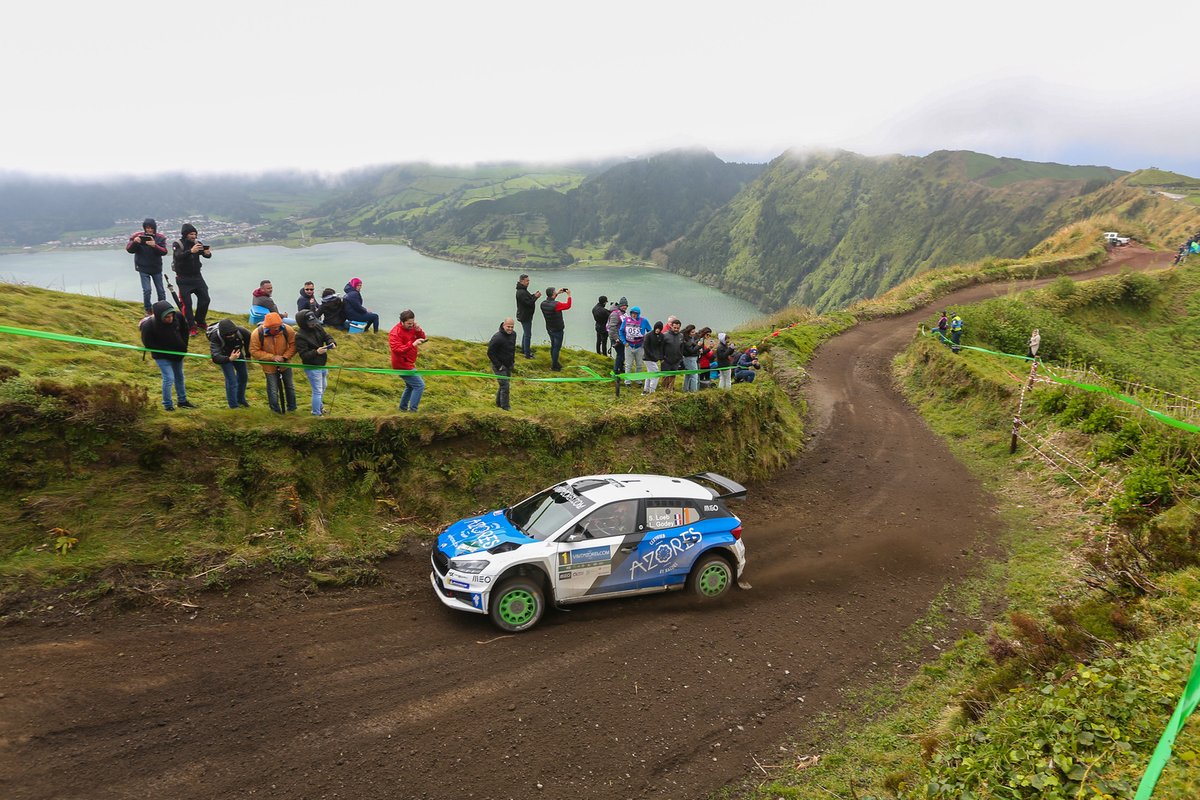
(632, 333)
(352, 303)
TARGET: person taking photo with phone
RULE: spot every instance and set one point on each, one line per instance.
(186, 264)
(148, 247)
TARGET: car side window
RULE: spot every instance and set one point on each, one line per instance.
(614, 519)
(662, 514)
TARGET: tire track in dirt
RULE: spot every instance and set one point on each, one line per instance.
(380, 692)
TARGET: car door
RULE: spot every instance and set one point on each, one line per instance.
(591, 556)
(669, 544)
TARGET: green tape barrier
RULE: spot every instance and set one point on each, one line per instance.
(592, 375)
(1162, 753)
(1087, 387)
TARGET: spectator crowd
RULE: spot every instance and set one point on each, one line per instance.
(640, 349)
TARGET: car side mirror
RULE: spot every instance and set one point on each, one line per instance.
(577, 535)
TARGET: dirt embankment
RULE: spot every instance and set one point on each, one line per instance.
(380, 692)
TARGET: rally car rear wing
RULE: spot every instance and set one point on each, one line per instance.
(727, 489)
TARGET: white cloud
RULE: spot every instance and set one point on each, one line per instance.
(122, 87)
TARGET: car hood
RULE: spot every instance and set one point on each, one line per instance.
(475, 534)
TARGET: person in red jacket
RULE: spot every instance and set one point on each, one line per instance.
(404, 341)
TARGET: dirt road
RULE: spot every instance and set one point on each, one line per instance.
(382, 693)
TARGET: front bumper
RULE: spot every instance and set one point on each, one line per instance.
(454, 589)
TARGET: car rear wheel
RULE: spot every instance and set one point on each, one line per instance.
(711, 577)
(517, 605)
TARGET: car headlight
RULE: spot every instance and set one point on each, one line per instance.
(472, 567)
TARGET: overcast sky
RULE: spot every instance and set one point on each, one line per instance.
(122, 87)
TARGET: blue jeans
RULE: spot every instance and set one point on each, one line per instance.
(236, 377)
(172, 375)
(370, 318)
(289, 389)
(742, 375)
(158, 284)
(414, 386)
(526, 337)
(318, 379)
(556, 339)
(691, 383)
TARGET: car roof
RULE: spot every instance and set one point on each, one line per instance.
(602, 489)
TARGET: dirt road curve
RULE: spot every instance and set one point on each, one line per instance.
(381, 693)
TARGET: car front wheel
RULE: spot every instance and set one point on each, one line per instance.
(711, 577)
(517, 605)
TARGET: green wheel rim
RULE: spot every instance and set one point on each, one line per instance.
(517, 607)
(713, 579)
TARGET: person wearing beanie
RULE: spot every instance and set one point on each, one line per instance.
(313, 344)
(613, 326)
(165, 333)
(633, 330)
(229, 345)
(186, 264)
(600, 314)
(555, 327)
(526, 305)
(746, 366)
(352, 305)
(725, 353)
(148, 246)
(652, 348)
(405, 340)
(275, 342)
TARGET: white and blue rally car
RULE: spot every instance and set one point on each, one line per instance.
(590, 538)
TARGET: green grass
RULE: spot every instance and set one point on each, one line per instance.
(919, 741)
(86, 449)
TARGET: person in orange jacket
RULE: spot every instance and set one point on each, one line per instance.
(272, 341)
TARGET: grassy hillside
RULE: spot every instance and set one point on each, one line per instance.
(87, 454)
(618, 215)
(1066, 692)
(824, 230)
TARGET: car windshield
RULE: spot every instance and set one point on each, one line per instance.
(546, 512)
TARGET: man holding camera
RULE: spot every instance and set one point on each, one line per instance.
(186, 263)
(148, 247)
(555, 327)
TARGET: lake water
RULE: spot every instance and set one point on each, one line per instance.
(450, 299)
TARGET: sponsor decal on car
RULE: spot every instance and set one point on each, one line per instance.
(662, 557)
(477, 600)
(459, 584)
(586, 562)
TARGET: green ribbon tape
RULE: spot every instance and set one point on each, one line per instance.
(1087, 387)
(592, 375)
(1162, 753)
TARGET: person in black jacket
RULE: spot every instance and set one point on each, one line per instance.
(726, 353)
(230, 347)
(652, 350)
(308, 299)
(502, 352)
(672, 355)
(187, 266)
(313, 345)
(600, 313)
(148, 246)
(526, 304)
(165, 330)
(555, 327)
(332, 310)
